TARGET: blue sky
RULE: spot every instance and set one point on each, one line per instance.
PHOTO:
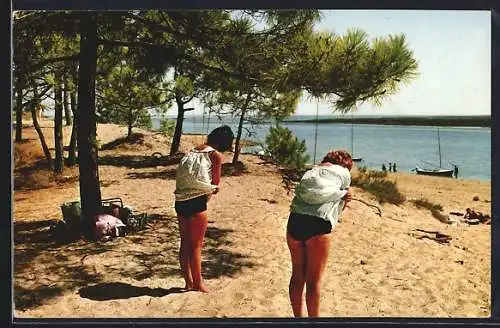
(453, 49)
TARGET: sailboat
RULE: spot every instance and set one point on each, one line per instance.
(438, 171)
(354, 159)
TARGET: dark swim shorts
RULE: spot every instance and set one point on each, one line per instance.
(302, 227)
(191, 207)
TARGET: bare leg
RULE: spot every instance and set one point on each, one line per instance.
(317, 249)
(297, 281)
(185, 251)
(197, 228)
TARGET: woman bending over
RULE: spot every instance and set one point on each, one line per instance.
(319, 199)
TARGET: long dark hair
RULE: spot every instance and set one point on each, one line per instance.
(221, 138)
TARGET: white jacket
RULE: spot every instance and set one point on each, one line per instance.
(320, 192)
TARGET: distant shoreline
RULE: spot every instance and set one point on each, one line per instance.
(458, 121)
(473, 121)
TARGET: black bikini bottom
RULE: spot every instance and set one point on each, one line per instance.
(302, 227)
(190, 207)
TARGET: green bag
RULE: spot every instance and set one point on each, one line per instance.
(71, 212)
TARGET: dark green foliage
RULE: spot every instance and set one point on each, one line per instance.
(438, 215)
(375, 182)
(372, 173)
(218, 55)
(124, 98)
(286, 149)
(167, 126)
(261, 61)
(434, 208)
(350, 69)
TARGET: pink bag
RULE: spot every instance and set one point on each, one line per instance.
(107, 225)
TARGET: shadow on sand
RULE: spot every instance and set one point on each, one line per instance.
(45, 269)
(119, 290)
(139, 161)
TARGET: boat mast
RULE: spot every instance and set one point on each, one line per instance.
(352, 135)
(203, 120)
(439, 147)
(208, 120)
(316, 130)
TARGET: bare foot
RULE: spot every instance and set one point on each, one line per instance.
(201, 288)
(188, 287)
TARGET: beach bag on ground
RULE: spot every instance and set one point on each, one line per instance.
(108, 225)
(137, 222)
(71, 212)
(115, 207)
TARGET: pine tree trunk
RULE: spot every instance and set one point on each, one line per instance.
(38, 129)
(240, 130)
(72, 142)
(19, 112)
(72, 145)
(176, 140)
(74, 93)
(58, 125)
(72, 102)
(129, 131)
(67, 110)
(90, 191)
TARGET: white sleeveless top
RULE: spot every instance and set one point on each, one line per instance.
(194, 175)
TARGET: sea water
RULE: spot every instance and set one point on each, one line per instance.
(408, 146)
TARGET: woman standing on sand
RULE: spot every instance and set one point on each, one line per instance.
(319, 199)
(198, 177)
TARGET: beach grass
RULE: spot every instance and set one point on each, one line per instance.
(377, 183)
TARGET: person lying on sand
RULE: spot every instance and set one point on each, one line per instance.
(475, 217)
(320, 197)
(197, 178)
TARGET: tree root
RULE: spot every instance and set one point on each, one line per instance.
(439, 240)
(438, 236)
(379, 211)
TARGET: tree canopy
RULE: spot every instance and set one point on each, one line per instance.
(251, 64)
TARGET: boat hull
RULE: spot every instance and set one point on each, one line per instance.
(357, 159)
(439, 173)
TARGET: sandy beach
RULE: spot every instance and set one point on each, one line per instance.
(378, 266)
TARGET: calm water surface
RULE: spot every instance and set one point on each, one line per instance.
(408, 146)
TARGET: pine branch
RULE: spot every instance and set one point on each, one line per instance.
(35, 66)
(191, 60)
